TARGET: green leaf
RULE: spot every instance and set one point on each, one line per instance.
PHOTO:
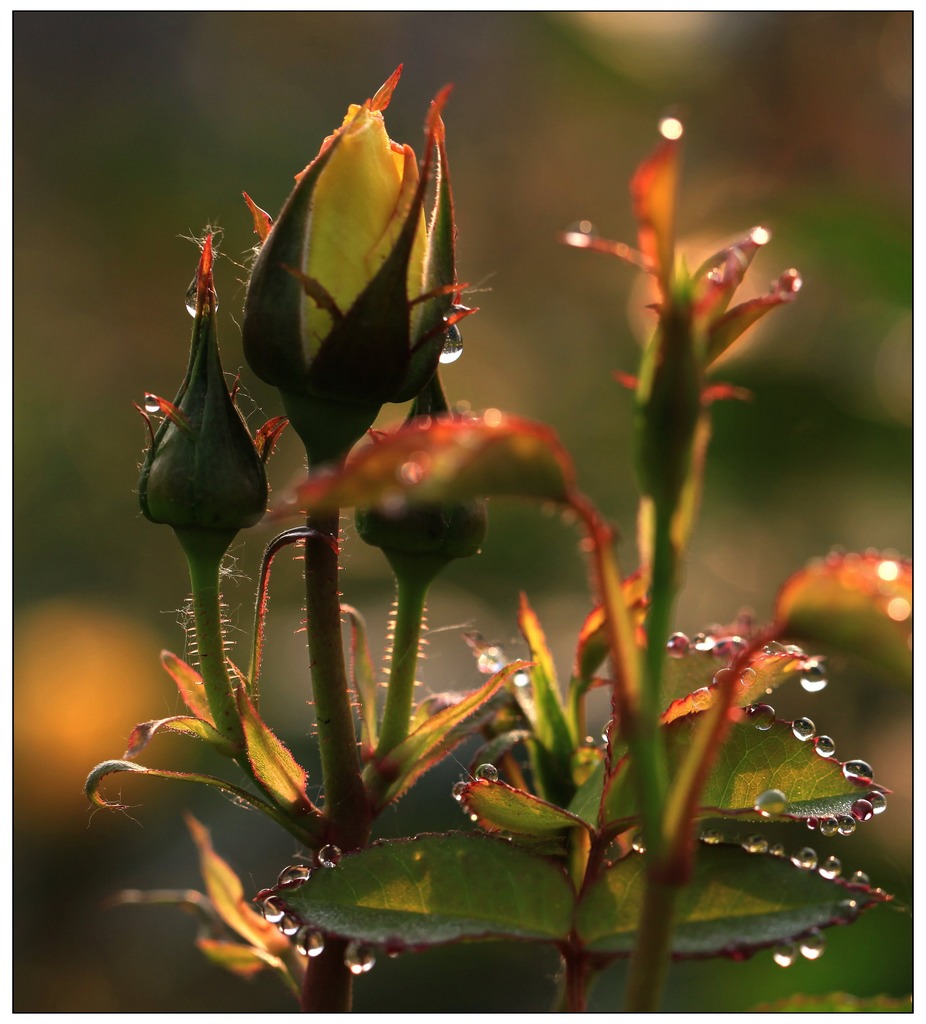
(837, 1002)
(500, 806)
(751, 762)
(362, 676)
(587, 801)
(189, 683)
(861, 604)
(735, 903)
(446, 458)
(435, 889)
(143, 734)
(434, 740)
(274, 767)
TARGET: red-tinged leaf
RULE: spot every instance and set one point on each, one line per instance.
(735, 904)
(143, 734)
(447, 458)
(227, 896)
(190, 684)
(690, 682)
(860, 604)
(837, 1002)
(263, 222)
(189, 900)
(245, 961)
(736, 321)
(432, 741)
(274, 767)
(267, 436)
(306, 831)
(500, 806)
(592, 645)
(653, 191)
(436, 889)
(362, 677)
(176, 415)
(752, 762)
(721, 274)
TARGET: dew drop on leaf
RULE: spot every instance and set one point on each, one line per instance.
(702, 642)
(859, 878)
(806, 859)
(828, 826)
(711, 837)
(289, 925)
(785, 954)
(862, 810)
(755, 844)
(272, 909)
(457, 791)
(824, 746)
(813, 676)
(747, 678)
(878, 802)
(845, 824)
(803, 729)
(490, 660)
(294, 875)
(762, 716)
(358, 958)
(487, 773)
(309, 942)
(771, 801)
(521, 678)
(677, 645)
(812, 945)
(329, 856)
(777, 850)
(830, 868)
(848, 911)
(858, 770)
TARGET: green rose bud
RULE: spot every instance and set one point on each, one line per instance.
(202, 471)
(348, 298)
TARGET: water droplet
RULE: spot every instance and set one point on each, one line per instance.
(785, 954)
(803, 729)
(878, 802)
(725, 675)
(457, 791)
(702, 642)
(830, 868)
(847, 911)
(755, 844)
(794, 651)
(859, 878)
(580, 234)
(888, 570)
(727, 646)
(329, 856)
(862, 810)
(762, 716)
(273, 909)
(521, 678)
(711, 837)
(677, 645)
(774, 647)
(289, 924)
(309, 942)
(790, 282)
(152, 404)
(701, 699)
(760, 235)
(777, 850)
(828, 826)
(671, 128)
(812, 945)
(453, 345)
(358, 958)
(805, 859)
(490, 659)
(295, 874)
(487, 772)
(813, 676)
(637, 844)
(747, 678)
(771, 801)
(824, 746)
(413, 471)
(846, 825)
(812, 822)
(189, 300)
(860, 770)
(899, 609)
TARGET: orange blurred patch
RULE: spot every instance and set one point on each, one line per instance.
(85, 676)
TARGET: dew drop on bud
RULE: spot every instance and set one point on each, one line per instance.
(487, 773)
(152, 405)
(309, 942)
(812, 945)
(273, 910)
(860, 770)
(845, 824)
(453, 345)
(859, 878)
(329, 856)
(771, 801)
(790, 282)
(457, 791)
(677, 645)
(813, 676)
(785, 954)
(803, 729)
(878, 802)
(189, 300)
(760, 236)
(671, 129)
(806, 859)
(359, 959)
(862, 810)
(295, 874)
(830, 868)
(828, 826)
(824, 746)
(762, 716)
(755, 844)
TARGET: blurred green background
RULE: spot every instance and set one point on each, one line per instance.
(133, 131)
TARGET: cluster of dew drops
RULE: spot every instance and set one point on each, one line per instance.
(310, 942)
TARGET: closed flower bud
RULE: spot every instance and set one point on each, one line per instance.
(203, 471)
(348, 297)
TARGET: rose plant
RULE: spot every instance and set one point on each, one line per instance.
(649, 845)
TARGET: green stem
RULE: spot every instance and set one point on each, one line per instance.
(205, 550)
(650, 960)
(411, 593)
(346, 807)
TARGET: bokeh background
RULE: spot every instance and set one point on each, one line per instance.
(134, 131)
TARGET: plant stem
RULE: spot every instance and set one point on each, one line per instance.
(346, 808)
(205, 550)
(327, 986)
(650, 960)
(411, 592)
